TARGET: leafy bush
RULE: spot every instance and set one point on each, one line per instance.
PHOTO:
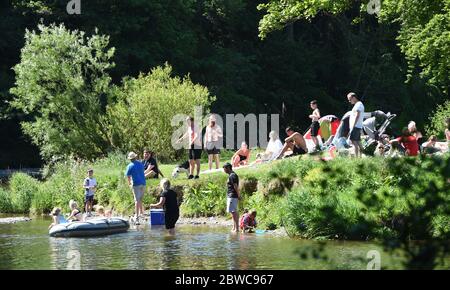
(42, 202)
(5, 201)
(62, 81)
(372, 198)
(438, 119)
(204, 200)
(22, 188)
(267, 208)
(145, 107)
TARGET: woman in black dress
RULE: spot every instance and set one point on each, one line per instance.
(168, 200)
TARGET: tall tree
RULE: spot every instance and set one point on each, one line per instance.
(62, 82)
(424, 33)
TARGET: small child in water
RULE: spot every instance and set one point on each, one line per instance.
(58, 218)
(248, 221)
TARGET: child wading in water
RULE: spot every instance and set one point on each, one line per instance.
(248, 221)
(315, 116)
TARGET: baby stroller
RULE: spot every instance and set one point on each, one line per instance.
(374, 127)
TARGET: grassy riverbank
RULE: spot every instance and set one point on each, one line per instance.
(345, 198)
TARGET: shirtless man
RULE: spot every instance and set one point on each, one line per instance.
(294, 142)
(315, 126)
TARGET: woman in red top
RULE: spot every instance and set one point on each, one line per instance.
(407, 143)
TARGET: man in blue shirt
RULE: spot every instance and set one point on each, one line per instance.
(136, 180)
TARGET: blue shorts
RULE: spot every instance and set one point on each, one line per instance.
(88, 198)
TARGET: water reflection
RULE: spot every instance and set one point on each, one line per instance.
(28, 246)
(171, 251)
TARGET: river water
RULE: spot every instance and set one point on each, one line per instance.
(27, 245)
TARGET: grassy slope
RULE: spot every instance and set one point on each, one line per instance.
(309, 197)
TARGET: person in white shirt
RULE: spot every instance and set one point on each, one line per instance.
(356, 122)
(90, 185)
(213, 136)
(274, 147)
(195, 146)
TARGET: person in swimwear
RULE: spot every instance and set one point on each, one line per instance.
(242, 156)
(315, 126)
(294, 142)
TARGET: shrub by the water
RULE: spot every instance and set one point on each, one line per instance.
(5, 201)
(204, 199)
(43, 201)
(370, 198)
(22, 189)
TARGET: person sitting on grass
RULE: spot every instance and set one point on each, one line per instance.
(168, 200)
(274, 146)
(429, 147)
(58, 218)
(406, 143)
(248, 221)
(294, 142)
(242, 156)
(151, 169)
(75, 213)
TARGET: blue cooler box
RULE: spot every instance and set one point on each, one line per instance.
(157, 217)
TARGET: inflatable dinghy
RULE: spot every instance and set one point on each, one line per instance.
(89, 228)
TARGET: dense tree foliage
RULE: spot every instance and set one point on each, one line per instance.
(142, 116)
(424, 34)
(438, 120)
(217, 43)
(62, 81)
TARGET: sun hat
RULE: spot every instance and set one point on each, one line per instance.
(132, 155)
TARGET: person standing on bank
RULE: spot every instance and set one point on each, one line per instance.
(213, 136)
(195, 147)
(168, 200)
(356, 122)
(315, 126)
(136, 181)
(233, 195)
(90, 185)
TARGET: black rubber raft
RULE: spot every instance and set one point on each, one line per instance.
(90, 228)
